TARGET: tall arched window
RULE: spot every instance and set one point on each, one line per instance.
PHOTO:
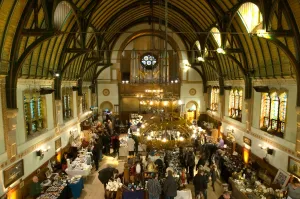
(235, 104)
(273, 113)
(217, 35)
(251, 16)
(214, 99)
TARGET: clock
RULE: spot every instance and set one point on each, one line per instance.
(106, 92)
(192, 91)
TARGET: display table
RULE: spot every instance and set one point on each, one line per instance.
(184, 194)
(74, 172)
(64, 193)
(236, 193)
(76, 188)
(80, 166)
(133, 195)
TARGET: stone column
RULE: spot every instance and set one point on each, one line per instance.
(206, 103)
(10, 132)
(298, 132)
(59, 113)
(248, 103)
(79, 106)
(222, 106)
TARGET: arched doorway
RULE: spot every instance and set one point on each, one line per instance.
(106, 108)
(191, 110)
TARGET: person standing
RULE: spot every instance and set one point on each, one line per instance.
(213, 174)
(200, 183)
(106, 174)
(191, 164)
(95, 152)
(130, 144)
(100, 146)
(153, 187)
(170, 186)
(35, 188)
(225, 195)
(201, 161)
(293, 189)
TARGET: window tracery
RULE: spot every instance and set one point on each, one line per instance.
(273, 113)
(235, 104)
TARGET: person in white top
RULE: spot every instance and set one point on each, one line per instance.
(130, 144)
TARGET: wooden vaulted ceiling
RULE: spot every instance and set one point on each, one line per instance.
(31, 46)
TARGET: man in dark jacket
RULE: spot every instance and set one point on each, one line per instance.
(170, 186)
(200, 183)
(190, 162)
(106, 174)
(95, 152)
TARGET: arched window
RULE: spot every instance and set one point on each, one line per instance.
(273, 113)
(217, 35)
(214, 99)
(198, 45)
(235, 104)
(61, 13)
(250, 15)
(34, 112)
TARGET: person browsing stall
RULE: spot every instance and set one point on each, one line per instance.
(170, 186)
(293, 189)
(35, 188)
(153, 187)
(225, 195)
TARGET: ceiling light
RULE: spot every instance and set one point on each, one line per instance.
(56, 74)
(220, 50)
(200, 59)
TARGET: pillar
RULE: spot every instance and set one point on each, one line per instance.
(248, 103)
(58, 113)
(10, 132)
(79, 105)
(298, 131)
(221, 106)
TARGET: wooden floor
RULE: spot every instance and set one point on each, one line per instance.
(93, 188)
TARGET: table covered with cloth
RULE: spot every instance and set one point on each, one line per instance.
(65, 193)
(184, 194)
(236, 193)
(76, 188)
(133, 194)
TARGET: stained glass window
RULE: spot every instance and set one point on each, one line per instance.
(148, 61)
(235, 104)
(214, 99)
(273, 113)
(67, 103)
(33, 112)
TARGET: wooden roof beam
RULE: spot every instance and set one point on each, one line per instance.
(78, 50)
(36, 32)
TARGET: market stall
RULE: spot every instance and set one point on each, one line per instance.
(81, 165)
(62, 187)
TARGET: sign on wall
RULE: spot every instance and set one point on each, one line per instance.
(13, 173)
(58, 143)
(247, 140)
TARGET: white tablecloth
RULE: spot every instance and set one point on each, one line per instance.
(84, 161)
(184, 194)
(73, 172)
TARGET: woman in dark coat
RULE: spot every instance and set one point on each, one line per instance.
(106, 174)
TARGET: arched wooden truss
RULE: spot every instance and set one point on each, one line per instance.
(31, 46)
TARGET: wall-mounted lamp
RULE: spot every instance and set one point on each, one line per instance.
(270, 151)
(41, 152)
